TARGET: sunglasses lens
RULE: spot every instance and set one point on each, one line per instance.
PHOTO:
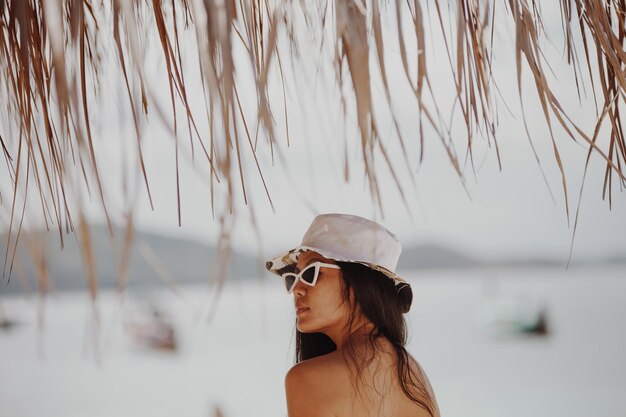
(308, 275)
(289, 280)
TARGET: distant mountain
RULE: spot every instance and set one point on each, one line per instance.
(178, 261)
(433, 256)
(182, 261)
(430, 256)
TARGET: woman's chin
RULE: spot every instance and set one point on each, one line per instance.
(304, 328)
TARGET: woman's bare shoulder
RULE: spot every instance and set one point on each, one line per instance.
(310, 386)
(320, 370)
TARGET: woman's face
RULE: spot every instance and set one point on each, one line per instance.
(324, 309)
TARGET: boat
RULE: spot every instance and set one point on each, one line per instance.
(6, 323)
(152, 330)
(513, 314)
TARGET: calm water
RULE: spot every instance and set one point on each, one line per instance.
(74, 367)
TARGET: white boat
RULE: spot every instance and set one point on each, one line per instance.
(151, 329)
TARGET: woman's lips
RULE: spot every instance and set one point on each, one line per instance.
(301, 309)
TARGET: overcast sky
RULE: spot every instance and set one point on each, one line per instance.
(508, 213)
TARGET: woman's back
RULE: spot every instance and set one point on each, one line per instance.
(324, 386)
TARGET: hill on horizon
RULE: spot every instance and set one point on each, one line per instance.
(154, 260)
(157, 260)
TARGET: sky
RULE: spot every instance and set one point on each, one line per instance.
(491, 213)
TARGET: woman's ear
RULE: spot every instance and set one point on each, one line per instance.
(347, 292)
(352, 296)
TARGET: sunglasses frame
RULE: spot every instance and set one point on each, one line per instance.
(317, 265)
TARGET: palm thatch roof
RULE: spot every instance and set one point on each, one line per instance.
(51, 55)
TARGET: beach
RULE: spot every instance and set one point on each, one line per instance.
(234, 353)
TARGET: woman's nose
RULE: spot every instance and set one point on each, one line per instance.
(299, 288)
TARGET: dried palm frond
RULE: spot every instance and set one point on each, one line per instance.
(51, 54)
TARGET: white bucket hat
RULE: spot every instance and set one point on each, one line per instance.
(349, 238)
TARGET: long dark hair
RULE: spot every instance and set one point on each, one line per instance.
(374, 296)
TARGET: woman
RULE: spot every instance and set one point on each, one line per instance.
(350, 328)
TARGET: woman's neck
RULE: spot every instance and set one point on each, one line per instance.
(359, 334)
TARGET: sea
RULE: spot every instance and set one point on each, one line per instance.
(68, 356)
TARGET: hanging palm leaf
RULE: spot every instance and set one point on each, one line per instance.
(52, 61)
